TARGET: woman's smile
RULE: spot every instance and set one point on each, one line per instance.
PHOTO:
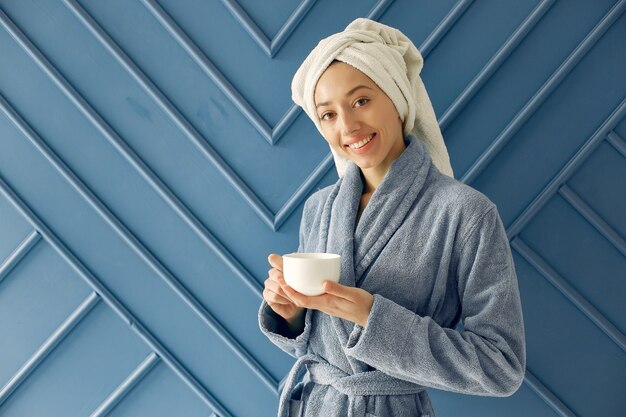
(363, 145)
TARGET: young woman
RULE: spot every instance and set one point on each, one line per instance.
(420, 251)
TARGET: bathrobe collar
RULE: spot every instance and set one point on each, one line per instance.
(388, 206)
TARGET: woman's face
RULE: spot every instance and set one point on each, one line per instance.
(351, 108)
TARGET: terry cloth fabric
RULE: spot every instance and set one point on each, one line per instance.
(434, 253)
(394, 63)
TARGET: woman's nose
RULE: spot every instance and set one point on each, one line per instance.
(349, 123)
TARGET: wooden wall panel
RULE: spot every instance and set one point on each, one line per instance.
(151, 157)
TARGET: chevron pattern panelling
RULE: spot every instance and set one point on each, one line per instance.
(151, 158)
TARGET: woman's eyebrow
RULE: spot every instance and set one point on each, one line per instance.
(347, 94)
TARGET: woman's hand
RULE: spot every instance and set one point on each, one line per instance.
(275, 295)
(349, 303)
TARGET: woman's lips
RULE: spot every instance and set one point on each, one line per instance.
(365, 148)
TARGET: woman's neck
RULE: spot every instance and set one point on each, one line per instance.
(371, 180)
(372, 177)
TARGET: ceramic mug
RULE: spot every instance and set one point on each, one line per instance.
(306, 272)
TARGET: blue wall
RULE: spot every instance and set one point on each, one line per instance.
(151, 157)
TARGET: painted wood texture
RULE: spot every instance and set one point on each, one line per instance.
(151, 157)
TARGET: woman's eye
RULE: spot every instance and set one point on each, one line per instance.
(364, 100)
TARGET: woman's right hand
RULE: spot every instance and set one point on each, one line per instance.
(276, 297)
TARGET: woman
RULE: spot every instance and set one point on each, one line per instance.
(420, 251)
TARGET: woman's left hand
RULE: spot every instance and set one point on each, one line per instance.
(349, 303)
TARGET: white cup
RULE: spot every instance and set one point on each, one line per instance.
(306, 272)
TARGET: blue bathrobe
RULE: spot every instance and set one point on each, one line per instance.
(433, 252)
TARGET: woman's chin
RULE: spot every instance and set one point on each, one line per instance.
(365, 165)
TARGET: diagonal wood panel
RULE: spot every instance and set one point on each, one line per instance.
(144, 253)
(123, 394)
(87, 305)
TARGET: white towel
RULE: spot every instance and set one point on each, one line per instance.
(393, 62)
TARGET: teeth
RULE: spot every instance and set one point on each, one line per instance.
(362, 143)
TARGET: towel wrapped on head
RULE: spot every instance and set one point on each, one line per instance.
(393, 62)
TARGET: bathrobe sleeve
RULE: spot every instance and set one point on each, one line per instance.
(274, 326)
(276, 330)
(488, 357)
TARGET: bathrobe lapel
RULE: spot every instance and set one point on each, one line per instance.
(389, 205)
(382, 216)
(337, 234)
